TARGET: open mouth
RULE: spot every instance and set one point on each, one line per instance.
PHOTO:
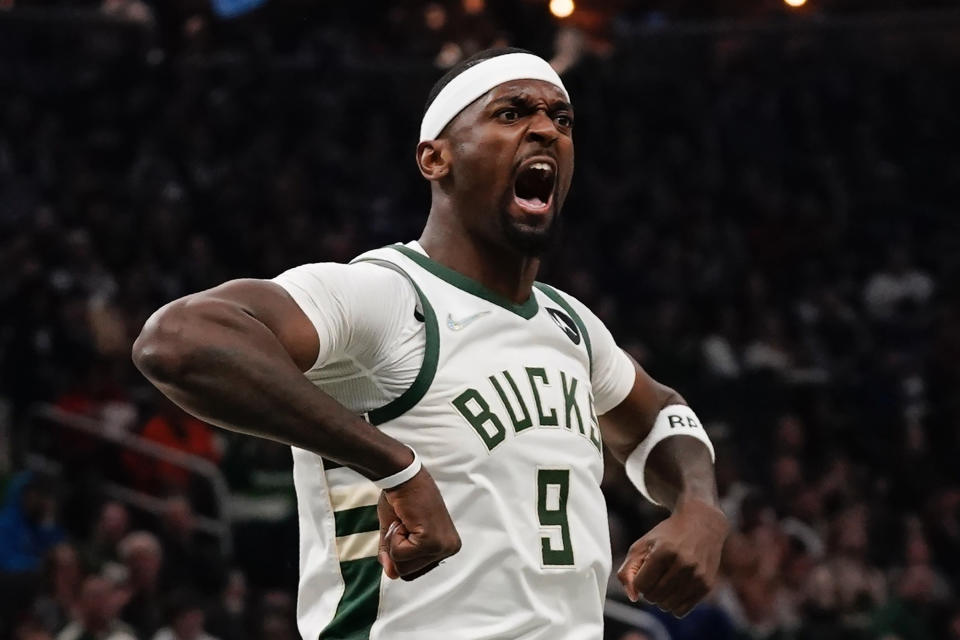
(533, 189)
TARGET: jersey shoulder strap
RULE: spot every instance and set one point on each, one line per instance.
(558, 297)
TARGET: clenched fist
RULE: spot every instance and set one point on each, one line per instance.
(675, 565)
(416, 531)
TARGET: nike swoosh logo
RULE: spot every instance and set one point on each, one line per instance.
(457, 325)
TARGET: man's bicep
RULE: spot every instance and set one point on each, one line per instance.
(628, 423)
(272, 305)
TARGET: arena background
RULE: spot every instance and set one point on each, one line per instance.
(764, 212)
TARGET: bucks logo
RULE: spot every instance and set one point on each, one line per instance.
(566, 324)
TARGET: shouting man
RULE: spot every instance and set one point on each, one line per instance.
(447, 413)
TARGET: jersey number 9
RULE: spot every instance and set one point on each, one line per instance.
(553, 489)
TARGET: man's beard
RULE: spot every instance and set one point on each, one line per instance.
(527, 241)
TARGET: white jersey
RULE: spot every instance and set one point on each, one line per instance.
(503, 412)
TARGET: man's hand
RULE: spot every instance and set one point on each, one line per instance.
(416, 531)
(675, 565)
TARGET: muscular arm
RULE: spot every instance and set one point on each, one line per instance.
(679, 468)
(674, 565)
(234, 356)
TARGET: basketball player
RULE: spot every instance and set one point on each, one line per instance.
(446, 411)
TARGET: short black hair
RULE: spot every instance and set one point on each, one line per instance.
(463, 65)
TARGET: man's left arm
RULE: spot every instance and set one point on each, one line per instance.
(675, 564)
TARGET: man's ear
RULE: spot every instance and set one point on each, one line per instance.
(433, 158)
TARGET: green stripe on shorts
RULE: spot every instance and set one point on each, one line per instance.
(356, 520)
(358, 607)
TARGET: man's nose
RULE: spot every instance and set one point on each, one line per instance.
(542, 128)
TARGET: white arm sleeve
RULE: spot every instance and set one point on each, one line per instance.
(358, 310)
(613, 372)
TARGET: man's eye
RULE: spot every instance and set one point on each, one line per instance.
(564, 120)
(508, 115)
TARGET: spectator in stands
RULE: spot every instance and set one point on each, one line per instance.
(912, 610)
(943, 529)
(276, 616)
(59, 598)
(31, 630)
(846, 586)
(28, 524)
(229, 616)
(185, 618)
(188, 558)
(899, 283)
(752, 592)
(142, 556)
(920, 593)
(111, 526)
(770, 349)
(96, 614)
(174, 428)
(97, 393)
(953, 624)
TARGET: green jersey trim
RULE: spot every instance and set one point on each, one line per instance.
(554, 295)
(428, 369)
(525, 310)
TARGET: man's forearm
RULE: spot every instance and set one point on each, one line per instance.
(221, 364)
(680, 469)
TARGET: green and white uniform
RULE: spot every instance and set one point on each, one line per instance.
(500, 401)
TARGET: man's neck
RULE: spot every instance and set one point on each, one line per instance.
(506, 273)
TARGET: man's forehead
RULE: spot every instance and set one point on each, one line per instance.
(526, 89)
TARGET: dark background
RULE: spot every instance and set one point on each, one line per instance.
(764, 213)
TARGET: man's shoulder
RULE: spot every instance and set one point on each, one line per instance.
(387, 253)
(357, 274)
(369, 297)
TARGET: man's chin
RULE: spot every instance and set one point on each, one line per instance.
(531, 237)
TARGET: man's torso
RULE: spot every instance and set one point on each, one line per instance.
(501, 414)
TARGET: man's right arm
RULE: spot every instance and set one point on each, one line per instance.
(234, 356)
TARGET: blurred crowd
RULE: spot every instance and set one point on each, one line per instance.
(766, 221)
(120, 583)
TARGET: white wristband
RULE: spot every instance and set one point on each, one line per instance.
(674, 420)
(400, 476)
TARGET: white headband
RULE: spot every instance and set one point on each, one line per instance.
(477, 80)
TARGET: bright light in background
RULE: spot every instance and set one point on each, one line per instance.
(563, 8)
(472, 7)
(796, 3)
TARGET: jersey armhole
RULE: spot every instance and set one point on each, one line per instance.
(554, 295)
(428, 368)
